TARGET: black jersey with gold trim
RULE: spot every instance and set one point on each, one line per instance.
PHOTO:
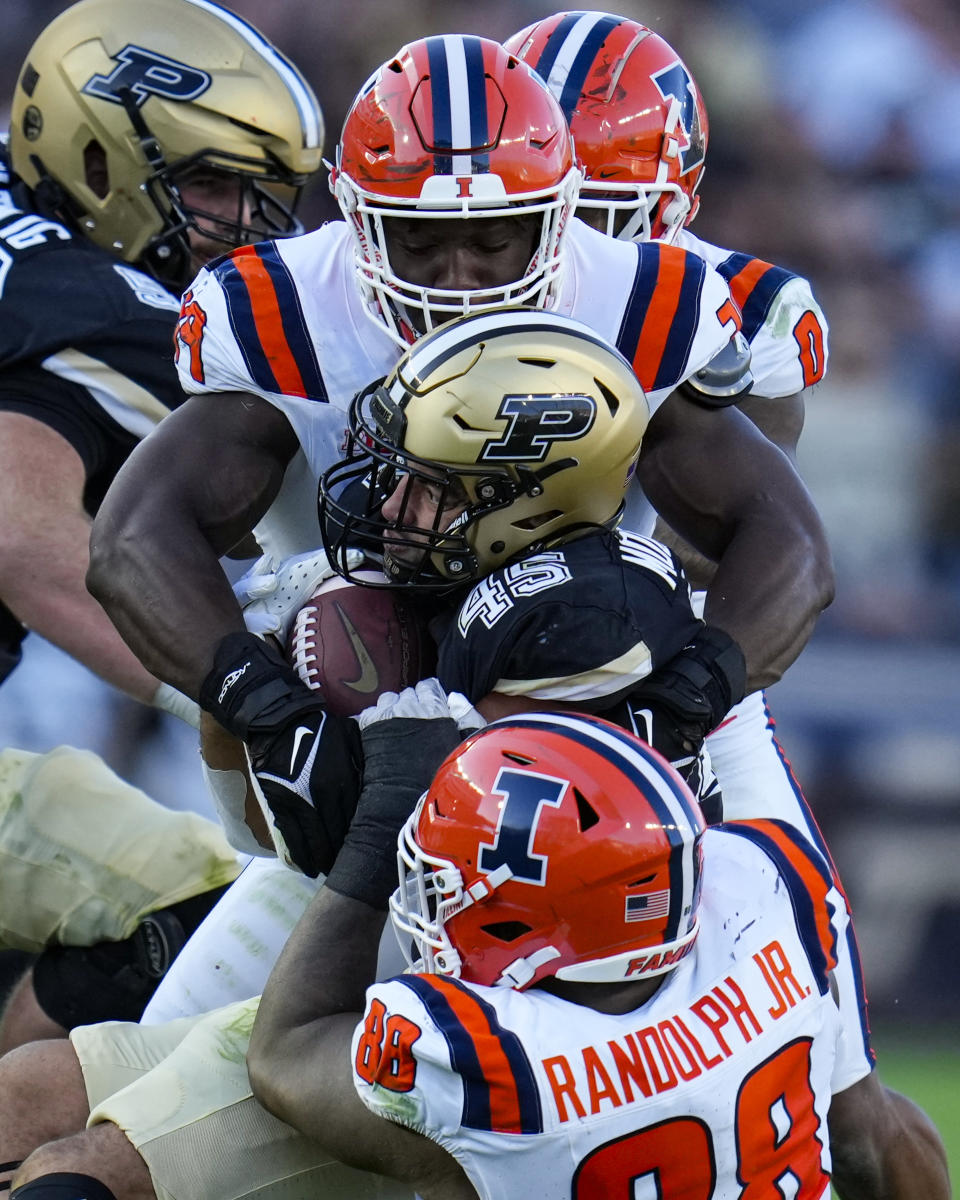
(86, 341)
(584, 623)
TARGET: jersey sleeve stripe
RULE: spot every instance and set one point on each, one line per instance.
(268, 322)
(809, 881)
(499, 1087)
(753, 284)
(662, 314)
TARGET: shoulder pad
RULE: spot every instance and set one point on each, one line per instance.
(725, 379)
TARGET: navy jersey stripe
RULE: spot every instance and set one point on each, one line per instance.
(476, 1090)
(442, 117)
(676, 353)
(644, 281)
(580, 68)
(756, 306)
(803, 903)
(240, 313)
(294, 322)
(244, 327)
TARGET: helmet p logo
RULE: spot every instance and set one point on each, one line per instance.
(145, 73)
(536, 422)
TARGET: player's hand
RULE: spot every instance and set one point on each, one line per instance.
(307, 778)
(271, 593)
(426, 700)
(406, 737)
(305, 765)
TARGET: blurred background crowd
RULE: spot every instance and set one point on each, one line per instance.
(834, 151)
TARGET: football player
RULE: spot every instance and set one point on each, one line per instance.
(513, 514)
(455, 174)
(127, 168)
(606, 997)
(641, 130)
(640, 126)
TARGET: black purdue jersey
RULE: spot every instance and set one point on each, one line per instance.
(86, 347)
(584, 623)
(86, 341)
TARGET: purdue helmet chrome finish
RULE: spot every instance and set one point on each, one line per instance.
(118, 103)
(524, 426)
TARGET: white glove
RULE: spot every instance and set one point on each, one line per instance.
(271, 594)
(426, 701)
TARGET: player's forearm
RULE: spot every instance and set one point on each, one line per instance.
(55, 604)
(166, 594)
(884, 1147)
(322, 975)
(772, 582)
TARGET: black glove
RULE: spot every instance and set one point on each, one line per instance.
(306, 763)
(405, 739)
(676, 707)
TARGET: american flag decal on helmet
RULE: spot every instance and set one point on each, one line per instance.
(648, 907)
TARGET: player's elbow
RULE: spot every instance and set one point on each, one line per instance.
(268, 1071)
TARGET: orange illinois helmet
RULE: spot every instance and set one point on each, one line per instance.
(550, 844)
(453, 127)
(638, 120)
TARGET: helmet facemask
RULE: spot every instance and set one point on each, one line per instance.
(453, 129)
(440, 556)
(410, 309)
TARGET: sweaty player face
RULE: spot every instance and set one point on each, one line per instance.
(418, 507)
(461, 254)
(219, 204)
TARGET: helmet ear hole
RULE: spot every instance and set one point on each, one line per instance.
(507, 931)
(95, 171)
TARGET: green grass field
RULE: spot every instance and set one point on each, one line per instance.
(926, 1067)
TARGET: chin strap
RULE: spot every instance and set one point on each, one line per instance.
(522, 970)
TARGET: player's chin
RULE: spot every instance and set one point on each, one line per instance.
(402, 563)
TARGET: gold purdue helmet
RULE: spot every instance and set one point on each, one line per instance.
(119, 102)
(525, 427)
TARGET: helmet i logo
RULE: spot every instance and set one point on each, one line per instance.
(673, 83)
(145, 73)
(465, 184)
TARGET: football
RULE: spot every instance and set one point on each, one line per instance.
(352, 643)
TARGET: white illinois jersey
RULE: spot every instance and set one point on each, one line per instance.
(286, 321)
(782, 321)
(718, 1086)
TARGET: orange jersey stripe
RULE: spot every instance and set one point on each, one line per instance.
(743, 283)
(813, 871)
(505, 1115)
(659, 317)
(269, 322)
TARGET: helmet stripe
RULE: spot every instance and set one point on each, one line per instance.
(440, 92)
(303, 98)
(458, 90)
(569, 54)
(499, 1086)
(434, 350)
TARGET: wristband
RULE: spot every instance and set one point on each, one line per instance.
(252, 689)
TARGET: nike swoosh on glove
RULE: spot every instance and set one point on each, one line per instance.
(305, 764)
